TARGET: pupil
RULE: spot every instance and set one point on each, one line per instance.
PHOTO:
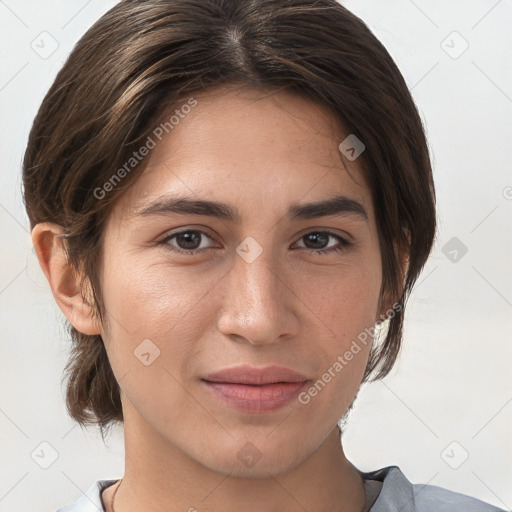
(322, 237)
(188, 238)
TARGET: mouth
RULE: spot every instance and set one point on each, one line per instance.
(256, 390)
(256, 398)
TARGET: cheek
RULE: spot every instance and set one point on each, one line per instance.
(156, 316)
(346, 304)
(347, 308)
(149, 297)
(345, 300)
(168, 306)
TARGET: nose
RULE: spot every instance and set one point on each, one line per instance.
(259, 304)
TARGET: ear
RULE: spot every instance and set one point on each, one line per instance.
(403, 260)
(50, 246)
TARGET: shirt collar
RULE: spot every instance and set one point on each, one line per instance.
(396, 493)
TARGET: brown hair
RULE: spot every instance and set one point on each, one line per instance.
(138, 62)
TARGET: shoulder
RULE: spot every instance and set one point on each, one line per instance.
(398, 493)
(431, 497)
(90, 501)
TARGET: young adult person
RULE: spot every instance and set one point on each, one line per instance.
(227, 197)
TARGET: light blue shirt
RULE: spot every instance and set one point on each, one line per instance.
(396, 494)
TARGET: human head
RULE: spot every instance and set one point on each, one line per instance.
(121, 81)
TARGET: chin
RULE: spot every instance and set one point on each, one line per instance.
(250, 459)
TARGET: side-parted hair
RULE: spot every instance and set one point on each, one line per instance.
(145, 58)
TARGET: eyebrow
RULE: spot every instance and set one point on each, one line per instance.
(336, 206)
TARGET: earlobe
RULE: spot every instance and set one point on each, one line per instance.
(50, 246)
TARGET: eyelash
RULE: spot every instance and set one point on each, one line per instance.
(344, 244)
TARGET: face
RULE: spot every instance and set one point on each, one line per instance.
(190, 291)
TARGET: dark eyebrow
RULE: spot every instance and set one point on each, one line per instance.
(338, 205)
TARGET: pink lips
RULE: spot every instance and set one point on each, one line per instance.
(256, 390)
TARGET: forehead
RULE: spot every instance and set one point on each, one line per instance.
(249, 148)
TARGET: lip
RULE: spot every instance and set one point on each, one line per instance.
(256, 390)
(246, 374)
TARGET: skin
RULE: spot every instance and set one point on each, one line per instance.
(290, 307)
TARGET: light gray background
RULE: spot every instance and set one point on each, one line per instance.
(450, 395)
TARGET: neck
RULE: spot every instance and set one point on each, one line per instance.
(159, 475)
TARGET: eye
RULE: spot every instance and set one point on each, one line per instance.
(319, 239)
(188, 241)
